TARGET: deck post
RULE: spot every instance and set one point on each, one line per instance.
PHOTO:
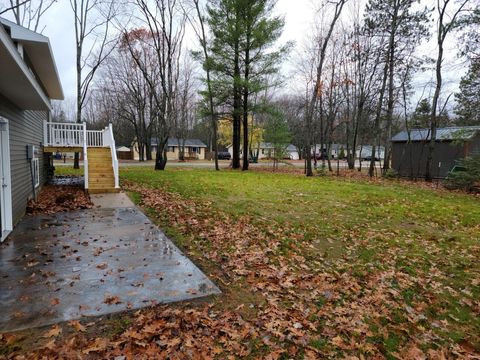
(114, 155)
(85, 157)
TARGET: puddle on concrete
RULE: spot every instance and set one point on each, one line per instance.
(67, 180)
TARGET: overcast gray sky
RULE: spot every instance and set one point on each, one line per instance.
(58, 26)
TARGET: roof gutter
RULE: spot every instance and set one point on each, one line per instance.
(12, 50)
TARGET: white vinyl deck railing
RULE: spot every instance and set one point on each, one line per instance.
(95, 138)
(76, 135)
(63, 134)
(73, 135)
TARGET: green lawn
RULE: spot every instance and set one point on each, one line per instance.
(410, 252)
(61, 170)
(310, 267)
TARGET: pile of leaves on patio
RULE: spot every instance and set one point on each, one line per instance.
(58, 198)
(285, 299)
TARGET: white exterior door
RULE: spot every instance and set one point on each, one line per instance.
(5, 182)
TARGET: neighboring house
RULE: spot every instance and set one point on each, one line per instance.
(335, 150)
(365, 151)
(194, 149)
(266, 150)
(28, 80)
(293, 151)
(410, 151)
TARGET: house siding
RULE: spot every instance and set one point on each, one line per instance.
(25, 127)
(172, 155)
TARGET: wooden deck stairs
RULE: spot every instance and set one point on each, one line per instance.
(97, 146)
(100, 171)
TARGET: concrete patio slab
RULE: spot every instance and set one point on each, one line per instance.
(89, 263)
(111, 200)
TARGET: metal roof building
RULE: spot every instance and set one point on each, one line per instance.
(410, 150)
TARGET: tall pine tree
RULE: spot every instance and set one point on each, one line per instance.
(468, 99)
(244, 33)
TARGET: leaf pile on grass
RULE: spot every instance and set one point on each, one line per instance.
(57, 198)
(383, 298)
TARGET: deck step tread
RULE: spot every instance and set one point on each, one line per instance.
(100, 171)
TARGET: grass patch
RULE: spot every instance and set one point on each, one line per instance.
(68, 170)
(335, 266)
(412, 228)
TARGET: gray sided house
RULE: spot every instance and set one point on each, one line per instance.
(28, 80)
(410, 151)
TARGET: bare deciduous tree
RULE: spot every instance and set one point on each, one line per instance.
(323, 42)
(28, 13)
(165, 23)
(92, 22)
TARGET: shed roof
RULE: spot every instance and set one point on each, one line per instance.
(443, 134)
(123, 148)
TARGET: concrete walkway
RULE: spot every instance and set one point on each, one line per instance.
(91, 262)
(111, 200)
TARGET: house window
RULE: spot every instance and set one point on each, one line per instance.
(171, 149)
(193, 149)
(263, 151)
(36, 172)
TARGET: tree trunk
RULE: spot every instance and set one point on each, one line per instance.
(378, 114)
(161, 156)
(391, 100)
(246, 90)
(203, 42)
(236, 110)
(434, 120)
(76, 160)
(148, 151)
(308, 160)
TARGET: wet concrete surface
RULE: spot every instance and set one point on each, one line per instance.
(89, 263)
(111, 200)
(67, 180)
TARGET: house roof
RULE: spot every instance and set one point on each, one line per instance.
(188, 142)
(27, 68)
(443, 134)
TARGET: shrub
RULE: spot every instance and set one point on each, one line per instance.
(467, 177)
(322, 171)
(390, 174)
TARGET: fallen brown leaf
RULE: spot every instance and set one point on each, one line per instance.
(53, 332)
(77, 326)
(112, 299)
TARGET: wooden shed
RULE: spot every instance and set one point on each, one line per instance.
(410, 150)
(124, 153)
